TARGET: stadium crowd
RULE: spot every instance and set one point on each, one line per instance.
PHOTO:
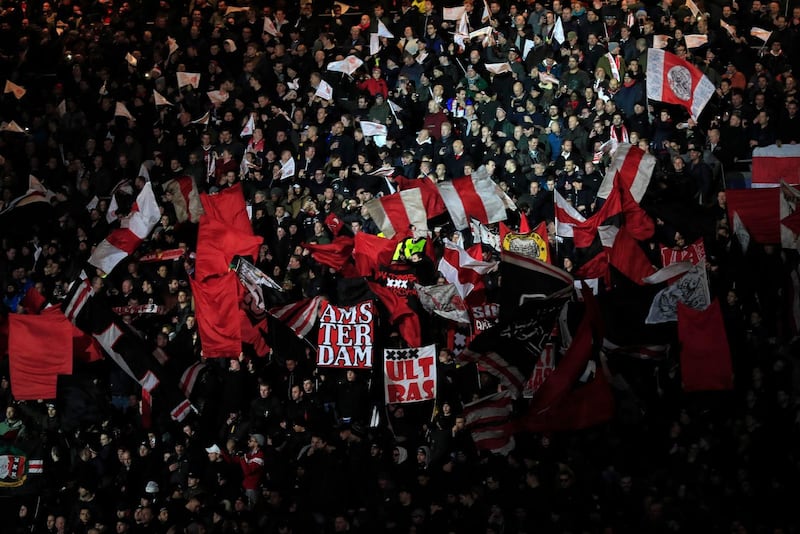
(281, 446)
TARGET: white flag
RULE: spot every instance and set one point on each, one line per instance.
(693, 7)
(233, 9)
(741, 232)
(204, 119)
(558, 31)
(526, 48)
(483, 32)
(160, 100)
(348, 65)
(453, 13)
(121, 111)
(218, 97)
(269, 27)
(188, 78)
(373, 128)
(728, 27)
(498, 68)
(374, 44)
(172, 44)
(62, 108)
(761, 33)
(660, 41)
(324, 90)
(344, 7)
(695, 40)
(691, 290)
(383, 31)
(249, 127)
(132, 61)
(11, 126)
(288, 169)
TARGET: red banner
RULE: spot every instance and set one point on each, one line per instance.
(346, 335)
(410, 374)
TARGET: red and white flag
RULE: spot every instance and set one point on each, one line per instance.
(675, 81)
(324, 90)
(121, 111)
(121, 242)
(566, 216)
(773, 164)
(373, 128)
(473, 196)
(487, 420)
(249, 127)
(160, 100)
(188, 78)
(185, 197)
(300, 316)
(695, 40)
(398, 212)
(17, 90)
(462, 270)
(633, 167)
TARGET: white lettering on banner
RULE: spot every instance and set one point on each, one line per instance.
(345, 336)
(410, 374)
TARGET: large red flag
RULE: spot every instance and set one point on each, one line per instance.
(36, 353)
(335, 254)
(217, 303)
(431, 199)
(400, 314)
(705, 354)
(371, 251)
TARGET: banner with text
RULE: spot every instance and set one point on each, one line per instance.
(346, 335)
(410, 374)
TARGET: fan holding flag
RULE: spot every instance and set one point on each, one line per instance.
(673, 80)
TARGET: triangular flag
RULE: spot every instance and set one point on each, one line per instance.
(498, 68)
(660, 41)
(173, 44)
(11, 127)
(486, 15)
(103, 90)
(344, 7)
(761, 33)
(188, 78)
(324, 90)
(204, 119)
(62, 108)
(695, 40)
(693, 8)
(269, 27)
(121, 111)
(160, 100)
(132, 61)
(218, 97)
(373, 128)
(18, 90)
(524, 225)
(741, 232)
(728, 28)
(374, 44)
(558, 31)
(348, 65)
(249, 127)
(383, 31)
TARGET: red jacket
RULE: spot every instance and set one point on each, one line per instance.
(374, 86)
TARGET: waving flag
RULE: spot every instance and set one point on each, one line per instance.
(397, 213)
(672, 80)
(473, 196)
(121, 242)
(487, 420)
(462, 270)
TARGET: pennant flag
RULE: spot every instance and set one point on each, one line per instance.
(218, 97)
(159, 99)
(348, 65)
(741, 233)
(473, 196)
(443, 300)
(269, 27)
(773, 164)
(62, 108)
(691, 289)
(453, 13)
(383, 31)
(188, 78)
(135, 228)
(409, 374)
(265, 291)
(498, 68)
(172, 45)
(132, 61)
(11, 126)
(373, 128)
(462, 270)
(121, 111)
(705, 354)
(675, 81)
(693, 8)
(374, 44)
(344, 7)
(695, 40)
(299, 316)
(17, 90)
(335, 254)
(36, 353)
(249, 127)
(185, 198)
(462, 31)
(324, 90)
(660, 41)
(346, 335)
(487, 420)
(558, 31)
(395, 214)
(760, 33)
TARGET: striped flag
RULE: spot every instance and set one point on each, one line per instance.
(121, 242)
(190, 376)
(462, 270)
(566, 216)
(487, 420)
(398, 212)
(300, 316)
(473, 196)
